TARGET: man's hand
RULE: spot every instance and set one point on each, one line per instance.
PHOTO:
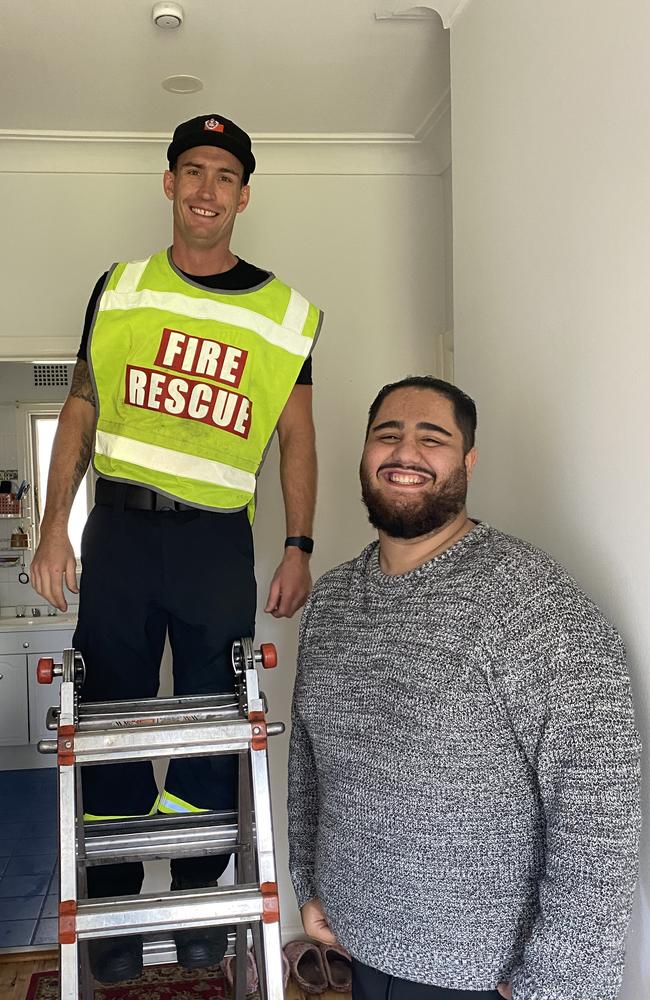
(53, 562)
(290, 585)
(505, 990)
(315, 922)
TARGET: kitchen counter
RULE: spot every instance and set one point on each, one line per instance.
(44, 623)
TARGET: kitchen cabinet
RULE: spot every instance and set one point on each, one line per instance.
(14, 728)
(23, 701)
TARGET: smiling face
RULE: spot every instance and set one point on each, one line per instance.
(414, 470)
(206, 189)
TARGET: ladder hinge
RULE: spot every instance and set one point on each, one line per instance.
(258, 727)
(270, 902)
(67, 921)
(65, 745)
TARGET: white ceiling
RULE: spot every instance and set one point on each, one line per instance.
(274, 66)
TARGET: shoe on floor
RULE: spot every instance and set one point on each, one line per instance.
(307, 968)
(338, 966)
(115, 960)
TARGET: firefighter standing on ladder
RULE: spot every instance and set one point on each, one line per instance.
(188, 362)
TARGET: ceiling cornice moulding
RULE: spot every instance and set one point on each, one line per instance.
(447, 9)
(50, 151)
(264, 138)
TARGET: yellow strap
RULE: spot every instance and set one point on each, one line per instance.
(90, 818)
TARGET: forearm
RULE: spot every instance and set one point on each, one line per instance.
(54, 560)
(292, 580)
(298, 477)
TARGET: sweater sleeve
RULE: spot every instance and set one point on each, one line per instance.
(303, 812)
(570, 708)
(303, 793)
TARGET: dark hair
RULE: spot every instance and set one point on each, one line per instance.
(464, 405)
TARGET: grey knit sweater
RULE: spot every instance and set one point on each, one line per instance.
(464, 772)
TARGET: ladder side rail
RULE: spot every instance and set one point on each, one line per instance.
(68, 943)
(245, 869)
(67, 785)
(272, 962)
(267, 938)
(86, 987)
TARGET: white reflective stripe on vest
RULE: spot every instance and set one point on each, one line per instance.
(296, 314)
(208, 309)
(152, 456)
(130, 277)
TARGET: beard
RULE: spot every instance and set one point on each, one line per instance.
(412, 518)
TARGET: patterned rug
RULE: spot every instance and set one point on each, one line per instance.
(160, 982)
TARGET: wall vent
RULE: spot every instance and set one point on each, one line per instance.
(50, 375)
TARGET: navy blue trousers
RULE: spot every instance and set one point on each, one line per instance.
(146, 573)
(370, 984)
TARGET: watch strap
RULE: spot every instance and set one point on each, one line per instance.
(301, 542)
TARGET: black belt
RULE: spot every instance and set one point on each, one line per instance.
(110, 494)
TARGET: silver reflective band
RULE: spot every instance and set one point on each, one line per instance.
(155, 457)
(220, 312)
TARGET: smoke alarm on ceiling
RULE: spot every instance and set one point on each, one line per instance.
(167, 15)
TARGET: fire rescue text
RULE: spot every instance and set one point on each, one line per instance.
(186, 397)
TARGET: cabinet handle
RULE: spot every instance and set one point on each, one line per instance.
(25, 645)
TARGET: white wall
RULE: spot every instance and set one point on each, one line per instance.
(551, 154)
(361, 231)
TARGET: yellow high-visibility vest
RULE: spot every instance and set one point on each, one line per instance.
(190, 382)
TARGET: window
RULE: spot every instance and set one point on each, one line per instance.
(39, 421)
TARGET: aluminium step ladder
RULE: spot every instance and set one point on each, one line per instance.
(111, 732)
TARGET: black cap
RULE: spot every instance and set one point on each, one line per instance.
(212, 130)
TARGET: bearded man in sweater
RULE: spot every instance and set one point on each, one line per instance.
(464, 770)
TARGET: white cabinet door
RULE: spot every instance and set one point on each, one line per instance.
(41, 697)
(13, 700)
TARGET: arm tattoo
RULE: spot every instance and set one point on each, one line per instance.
(82, 387)
(81, 464)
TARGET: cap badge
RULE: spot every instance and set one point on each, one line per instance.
(212, 125)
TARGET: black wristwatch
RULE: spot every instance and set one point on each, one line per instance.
(300, 542)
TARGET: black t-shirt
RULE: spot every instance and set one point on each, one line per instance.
(239, 278)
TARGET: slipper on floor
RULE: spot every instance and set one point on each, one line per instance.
(338, 967)
(306, 964)
(229, 969)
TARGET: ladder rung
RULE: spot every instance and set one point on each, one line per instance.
(160, 837)
(175, 703)
(193, 739)
(111, 714)
(98, 918)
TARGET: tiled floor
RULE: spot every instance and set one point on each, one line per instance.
(28, 850)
